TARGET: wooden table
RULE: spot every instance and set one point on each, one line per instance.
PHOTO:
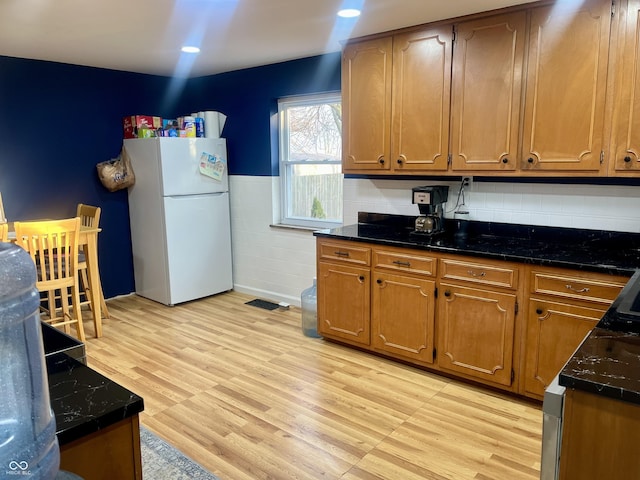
(88, 238)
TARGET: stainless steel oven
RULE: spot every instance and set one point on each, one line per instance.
(552, 411)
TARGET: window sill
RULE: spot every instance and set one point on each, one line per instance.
(295, 227)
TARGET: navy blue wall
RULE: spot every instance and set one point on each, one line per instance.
(57, 121)
(249, 99)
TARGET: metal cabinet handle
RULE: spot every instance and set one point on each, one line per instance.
(505, 160)
(379, 282)
(381, 160)
(582, 290)
(402, 264)
(361, 278)
(539, 311)
(475, 274)
(341, 254)
(447, 293)
(399, 161)
(530, 160)
(627, 159)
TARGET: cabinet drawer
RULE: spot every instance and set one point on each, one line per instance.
(408, 262)
(486, 274)
(344, 253)
(592, 290)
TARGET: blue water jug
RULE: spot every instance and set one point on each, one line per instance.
(28, 442)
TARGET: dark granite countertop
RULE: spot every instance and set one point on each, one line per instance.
(85, 401)
(607, 363)
(615, 253)
(608, 360)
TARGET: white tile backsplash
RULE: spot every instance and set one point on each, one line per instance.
(597, 207)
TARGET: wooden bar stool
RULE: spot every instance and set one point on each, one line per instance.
(89, 217)
(53, 247)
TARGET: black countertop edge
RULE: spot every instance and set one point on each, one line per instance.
(614, 253)
(83, 400)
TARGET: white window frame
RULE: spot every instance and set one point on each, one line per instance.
(285, 163)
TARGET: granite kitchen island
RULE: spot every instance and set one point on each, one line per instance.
(97, 421)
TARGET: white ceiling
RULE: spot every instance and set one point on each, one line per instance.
(146, 35)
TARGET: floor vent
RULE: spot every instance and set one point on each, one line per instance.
(263, 304)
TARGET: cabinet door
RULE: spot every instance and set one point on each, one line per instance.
(554, 331)
(366, 105)
(402, 316)
(420, 99)
(600, 436)
(566, 83)
(344, 302)
(487, 87)
(627, 115)
(475, 333)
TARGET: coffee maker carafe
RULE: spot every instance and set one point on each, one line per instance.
(430, 200)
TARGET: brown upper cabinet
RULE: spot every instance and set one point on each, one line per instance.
(528, 95)
(566, 86)
(487, 87)
(396, 102)
(626, 118)
(366, 105)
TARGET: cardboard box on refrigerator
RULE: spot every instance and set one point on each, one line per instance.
(133, 123)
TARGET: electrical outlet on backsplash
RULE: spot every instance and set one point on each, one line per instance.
(596, 207)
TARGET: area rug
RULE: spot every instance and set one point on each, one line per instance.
(161, 461)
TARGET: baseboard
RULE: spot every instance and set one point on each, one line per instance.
(256, 292)
(124, 295)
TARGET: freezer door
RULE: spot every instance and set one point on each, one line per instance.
(180, 163)
(198, 246)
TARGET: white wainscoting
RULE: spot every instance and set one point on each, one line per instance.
(274, 264)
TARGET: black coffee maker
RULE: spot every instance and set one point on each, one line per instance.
(430, 200)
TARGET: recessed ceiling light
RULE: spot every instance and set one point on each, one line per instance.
(190, 49)
(348, 12)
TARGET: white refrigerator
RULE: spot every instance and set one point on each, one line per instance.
(179, 216)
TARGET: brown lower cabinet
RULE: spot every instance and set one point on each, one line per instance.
(508, 325)
(552, 331)
(600, 438)
(107, 454)
(476, 333)
(403, 315)
(344, 303)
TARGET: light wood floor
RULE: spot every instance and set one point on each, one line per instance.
(244, 393)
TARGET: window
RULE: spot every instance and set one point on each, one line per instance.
(310, 160)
